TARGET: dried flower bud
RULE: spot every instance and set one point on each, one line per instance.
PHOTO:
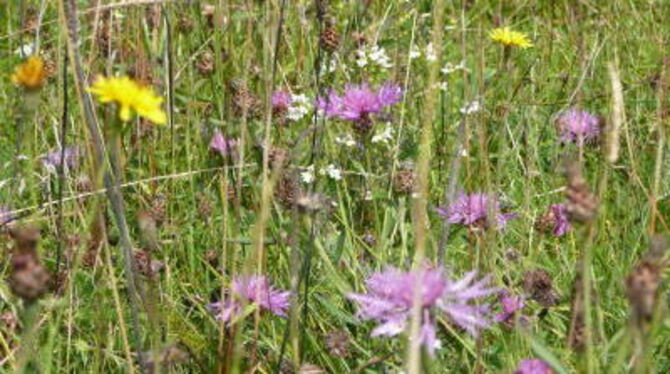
(337, 343)
(205, 63)
(643, 283)
(538, 285)
(581, 205)
(404, 181)
(329, 38)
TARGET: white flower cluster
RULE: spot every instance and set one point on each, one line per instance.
(373, 55)
(300, 106)
(346, 140)
(332, 171)
(471, 107)
(384, 136)
(450, 68)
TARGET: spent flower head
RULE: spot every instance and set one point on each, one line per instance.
(390, 298)
(31, 74)
(510, 38)
(255, 290)
(130, 97)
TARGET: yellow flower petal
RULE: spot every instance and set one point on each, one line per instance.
(130, 97)
(509, 37)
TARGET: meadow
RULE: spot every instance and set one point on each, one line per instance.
(277, 186)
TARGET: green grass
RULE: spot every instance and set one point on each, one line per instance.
(510, 148)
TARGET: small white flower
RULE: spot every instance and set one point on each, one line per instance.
(300, 107)
(368, 195)
(384, 136)
(442, 86)
(471, 107)
(346, 140)
(307, 176)
(378, 56)
(414, 52)
(430, 53)
(25, 50)
(361, 58)
(450, 68)
(332, 172)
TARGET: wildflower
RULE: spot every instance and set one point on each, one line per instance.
(31, 74)
(510, 38)
(346, 140)
(5, 215)
(451, 68)
(578, 126)
(281, 100)
(52, 161)
(25, 50)
(359, 103)
(414, 52)
(254, 290)
(373, 54)
(307, 176)
(533, 366)
(390, 298)
(511, 304)
(130, 97)
(225, 147)
(473, 210)
(384, 136)
(299, 107)
(430, 53)
(471, 107)
(338, 343)
(333, 172)
(554, 220)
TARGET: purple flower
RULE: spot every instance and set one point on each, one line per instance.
(359, 102)
(251, 290)
(511, 304)
(473, 210)
(52, 161)
(281, 100)
(561, 222)
(390, 297)
(225, 147)
(5, 215)
(578, 126)
(533, 366)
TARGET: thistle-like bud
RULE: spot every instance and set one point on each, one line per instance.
(28, 279)
(581, 205)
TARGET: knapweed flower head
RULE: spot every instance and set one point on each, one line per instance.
(359, 102)
(130, 97)
(510, 305)
(555, 220)
(390, 297)
(31, 74)
(222, 145)
(5, 215)
(533, 366)
(578, 126)
(475, 210)
(70, 158)
(510, 38)
(254, 290)
(281, 100)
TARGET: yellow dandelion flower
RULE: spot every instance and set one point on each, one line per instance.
(31, 74)
(509, 37)
(130, 97)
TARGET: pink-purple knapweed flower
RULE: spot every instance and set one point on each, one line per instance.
(225, 147)
(52, 161)
(390, 296)
(359, 102)
(533, 366)
(5, 215)
(578, 126)
(281, 100)
(251, 290)
(510, 304)
(561, 222)
(475, 210)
